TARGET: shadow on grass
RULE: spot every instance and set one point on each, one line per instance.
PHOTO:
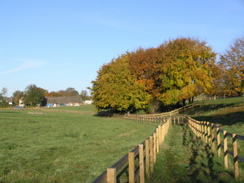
(202, 163)
(110, 113)
(224, 119)
(208, 108)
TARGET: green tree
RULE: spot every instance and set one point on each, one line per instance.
(186, 69)
(34, 96)
(17, 95)
(117, 89)
(84, 95)
(3, 102)
(233, 67)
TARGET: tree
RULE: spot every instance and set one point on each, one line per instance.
(17, 95)
(117, 89)
(84, 95)
(71, 92)
(177, 70)
(233, 67)
(34, 96)
(3, 102)
(4, 91)
(186, 69)
(63, 93)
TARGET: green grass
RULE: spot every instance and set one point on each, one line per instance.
(185, 158)
(63, 147)
(88, 108)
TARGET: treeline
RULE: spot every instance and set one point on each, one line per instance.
(178, 70)
(36, 96)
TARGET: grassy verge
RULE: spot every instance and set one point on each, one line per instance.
(52, 146)
(88, 108)
(185, 158)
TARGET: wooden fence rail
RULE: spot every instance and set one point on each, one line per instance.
(139, 162)
(210, 133)
(158, 115)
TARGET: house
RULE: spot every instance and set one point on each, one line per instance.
(21, 102)
(64, 101)
(8, 100)
(88, 102)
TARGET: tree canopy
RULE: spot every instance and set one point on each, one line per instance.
(117, 89)
(177, 70)
(34, 96)
(232, 62)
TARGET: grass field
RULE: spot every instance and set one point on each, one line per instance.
(185, 158)
(47, 146)
(69, 144)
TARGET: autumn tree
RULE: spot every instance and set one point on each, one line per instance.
(177, 70)
(186, 70)
(17, 95)
(34, 96)
(117, 89)
(233, 67)
(63, 93)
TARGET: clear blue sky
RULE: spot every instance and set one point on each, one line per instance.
(56, 44)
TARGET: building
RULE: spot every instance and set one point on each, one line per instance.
(64, 101)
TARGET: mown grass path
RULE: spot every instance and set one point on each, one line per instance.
(185, 158)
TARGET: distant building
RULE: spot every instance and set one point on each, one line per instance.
(88, 102)
(21, 102)
(8, 100)
(64, 101)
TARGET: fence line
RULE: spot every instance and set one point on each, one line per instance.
(210, 133)
(151, 117)
(140, 161)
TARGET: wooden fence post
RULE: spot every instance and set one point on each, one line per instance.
(131, 159)
(158, 138)
(206, 132)
(209, 133)
(111, 175)
(235, 154)
(163, 132)
(141, 164)
(213, 137)
(151, 153)
(218, 142)
(154, 147)
(147, 158)
(202, 131)
(225, 150)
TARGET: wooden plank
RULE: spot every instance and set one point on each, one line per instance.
(151, 161)
(213, 137)
(141, 163)
(111, 175)
(157, 138)
(225, 150)
(218, 142)
(235, 156)
(154, 147)
(131, 163)
(209, 132)
(147, 158)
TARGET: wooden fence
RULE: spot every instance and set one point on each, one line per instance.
(139, 162)
(211, 134)
(158, 116)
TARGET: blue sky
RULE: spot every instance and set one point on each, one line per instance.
(56, 44)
